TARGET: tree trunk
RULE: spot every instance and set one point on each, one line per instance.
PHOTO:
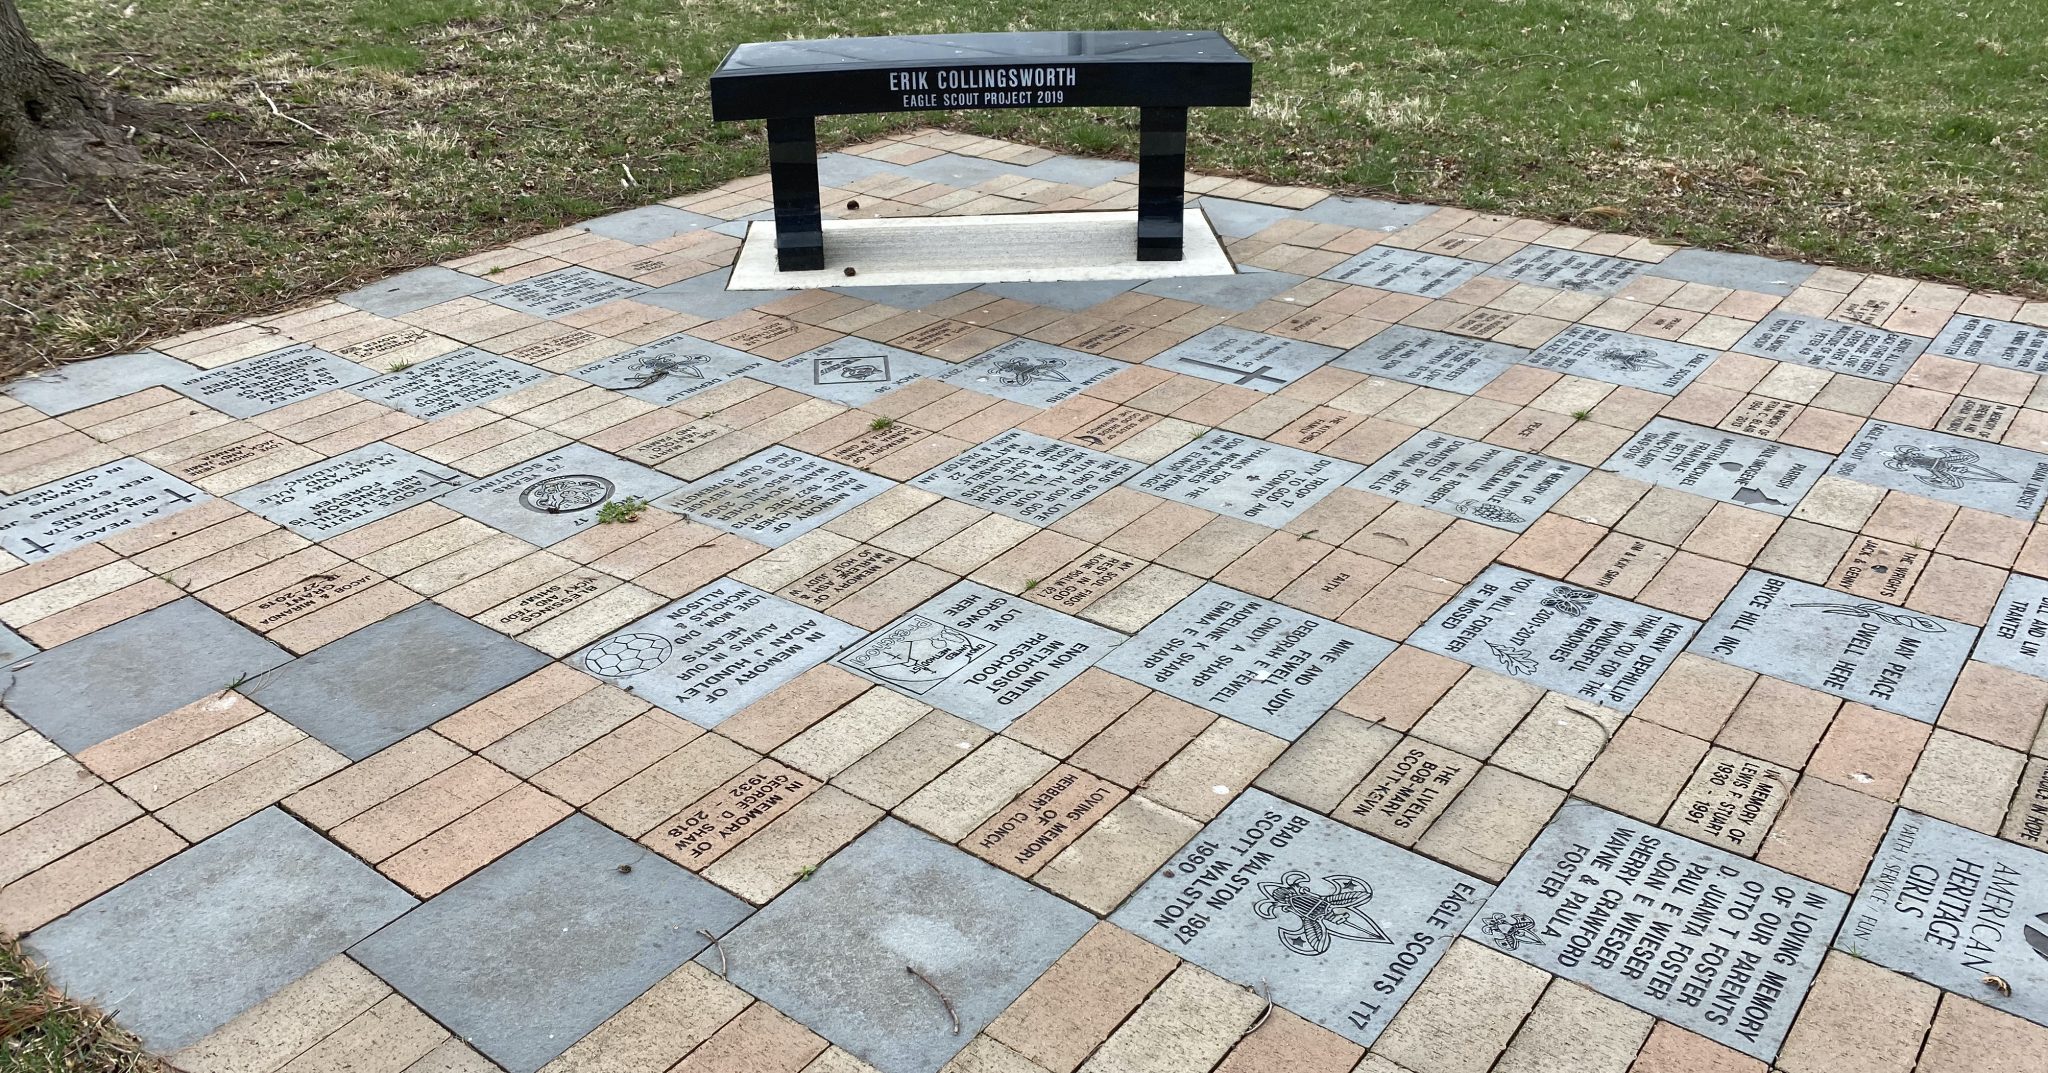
(55, 123)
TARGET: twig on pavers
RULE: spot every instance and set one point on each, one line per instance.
(279, 112)
(715, 946)
(239, 173)
(1265, 992)
(927, 981)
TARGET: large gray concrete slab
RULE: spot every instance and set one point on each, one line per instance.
(181, 949)
(833, 950)
(410, 292)
(392, 678)
(528, 955)
(79, 384)
(119, 677)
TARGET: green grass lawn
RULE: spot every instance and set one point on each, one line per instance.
(41, 1032)
(1876, 134)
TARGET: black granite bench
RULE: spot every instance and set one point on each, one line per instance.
(1160, 73)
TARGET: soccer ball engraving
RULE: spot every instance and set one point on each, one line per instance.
(627, 654)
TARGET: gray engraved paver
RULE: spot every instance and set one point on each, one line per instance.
(551, 498)
(1366, 212)
(1728, 466)
(670, 370)
(562, 292)
(88, 507)
(775, 495)
(1388, 268)
(1564, 638)
(1966, 472)
(118, 677)
(528, 955)
(349, 491)
(265, 382)
(1695, 935)
(1887, 657)
(1261, 663)
(1954, 907)
(1248, 359)
(981, 654)
(1033, 373)
(1994, 342)
(1856, 349)
(2016, 637)
(1623, 358)
(1247, 478)
(850, 371)
(410, 292)
(1026, 476)
(1431, 359)
(1340, 927)
(1568, 270)
(1496, 486)
(79, 384)
(181, 949)
(392, 678)
(832, 951)
(450, 383)
(716, 650)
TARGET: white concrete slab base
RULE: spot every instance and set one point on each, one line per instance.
(1037, 247)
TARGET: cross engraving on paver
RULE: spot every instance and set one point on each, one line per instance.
(1243, 377)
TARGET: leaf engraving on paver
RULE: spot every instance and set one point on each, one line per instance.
(1896, 618)
(1333, 914)
(1517, 661)
(1630, 359)
(1569, 600)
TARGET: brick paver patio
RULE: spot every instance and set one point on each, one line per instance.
(1453, 643)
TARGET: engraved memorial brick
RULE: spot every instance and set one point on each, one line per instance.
(1246, 359)
(670, 370)
(2016, 637)
(1568, 270)
(850, 371)
(562, 292)
(1496, 486)
(450, 383)
(1994, 342)
(549, 499)
(1731, 800)
(716, 650)
(1638, 361)
(349, 491)
(1887, 657)
(1431, 359)
(775, 495)
(1969, 473)
(88, 507)
(1263, 664)
(1045, 819)
(1561, 637)
(1026, 476)
(1956, 908)
(1241, 477)
(268, 381)
(981, 654)
(1728, 466)
(1334, 924)
(1695, 935)
(1855, 349)
(1033, 373)
(1388, 268)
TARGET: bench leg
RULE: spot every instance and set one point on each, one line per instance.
(1162, 181)
(799, 219)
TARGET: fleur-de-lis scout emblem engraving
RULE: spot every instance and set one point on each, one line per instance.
(1321, 917)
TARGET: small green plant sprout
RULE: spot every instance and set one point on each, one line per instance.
(880, 423)
(805, 872)
(621, 510)
(398, 366)
(1581, 415)
(1031, 584)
